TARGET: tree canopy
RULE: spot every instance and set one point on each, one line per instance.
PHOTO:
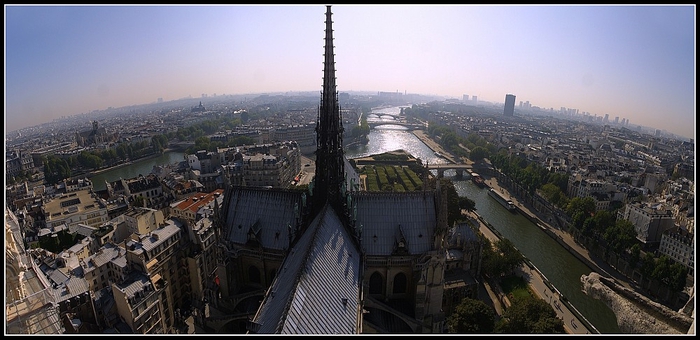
(530, 315)
(472, 317)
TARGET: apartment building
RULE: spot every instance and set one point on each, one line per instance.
(77, 207)
(186, 210)
(159, 255)
(679, 245)
(650, 222)
(139, 304)
(143, 220)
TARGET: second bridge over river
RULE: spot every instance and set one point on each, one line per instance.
(460, 169)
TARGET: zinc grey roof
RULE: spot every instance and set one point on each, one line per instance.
(120, 261)
(317, 288)
(103, 256)
(81, 229)
(388, 215)
(107, 253)
(57, 276)
(81, 244)
(73, 286)
(268, 212)
(137, 283)
(459, 234)
(161, 235)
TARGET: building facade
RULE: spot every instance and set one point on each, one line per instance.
(509, 107)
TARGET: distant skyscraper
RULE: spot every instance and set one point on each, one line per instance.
(605, 120)
(474, 99)
(465, 97)
(509, 106)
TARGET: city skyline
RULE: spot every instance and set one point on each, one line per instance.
(633, 62)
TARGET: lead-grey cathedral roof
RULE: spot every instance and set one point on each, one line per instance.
(267, 213)
(316, 290)
(385, 217)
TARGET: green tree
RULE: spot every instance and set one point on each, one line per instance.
(55, 170)
(466, 204)
(584, 205)
(603, 220)
(500, 258)
(635, 251)
(471, 317)
(159, 143)
(89, 160)
(648, 264)
(528, 315)
(561, 180)
(554, 194)
(662, 268)
(621, 236)
(511, 255)
(677, 277)
(478, 153)
(454, 212)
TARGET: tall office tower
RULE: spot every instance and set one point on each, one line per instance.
(474, 99)
(509, 106)
(617, 119)
(605, 120)
(465, 97)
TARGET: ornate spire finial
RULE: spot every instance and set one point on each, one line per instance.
(330, 166)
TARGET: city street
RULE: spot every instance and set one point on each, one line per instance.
(307, 171)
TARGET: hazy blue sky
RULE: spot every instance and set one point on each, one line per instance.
(635, 62)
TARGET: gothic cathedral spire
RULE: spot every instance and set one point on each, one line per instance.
(330, 163)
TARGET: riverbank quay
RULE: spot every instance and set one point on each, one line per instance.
(562, 237)
(429, 142)
(574, 321)
(121, 165)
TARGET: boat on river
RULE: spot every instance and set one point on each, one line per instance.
(478, 180)
(506, 203)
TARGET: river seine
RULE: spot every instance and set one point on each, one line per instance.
(140, 167)
(561, 268)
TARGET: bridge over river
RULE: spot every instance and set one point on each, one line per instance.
(411, 126)
(460, 169)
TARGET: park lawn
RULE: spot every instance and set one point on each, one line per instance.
(515, 286)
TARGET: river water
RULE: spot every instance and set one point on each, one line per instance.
(561, 268)
(140, 167)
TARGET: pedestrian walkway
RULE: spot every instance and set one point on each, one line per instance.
(536, 282)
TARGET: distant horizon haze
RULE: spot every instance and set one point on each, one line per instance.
(628, 61)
